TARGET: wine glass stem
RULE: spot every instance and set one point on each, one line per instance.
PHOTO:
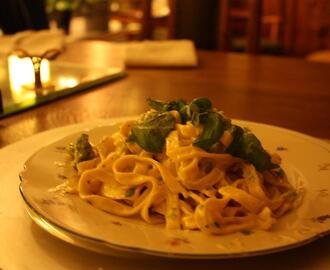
(36, 61)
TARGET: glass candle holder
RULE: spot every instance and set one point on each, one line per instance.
(36, 61)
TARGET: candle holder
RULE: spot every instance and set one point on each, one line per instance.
(36, 62)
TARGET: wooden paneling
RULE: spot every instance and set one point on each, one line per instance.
(312, 26)
(298, 26)
(254, 26)
(289, 26)
(223, 33)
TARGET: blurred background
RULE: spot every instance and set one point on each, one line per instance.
(297, 28)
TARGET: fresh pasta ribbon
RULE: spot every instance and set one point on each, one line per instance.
(125, 162)
(184, 187)
(245, 199)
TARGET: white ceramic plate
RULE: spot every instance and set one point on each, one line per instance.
(306, 161)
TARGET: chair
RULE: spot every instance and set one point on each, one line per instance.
(253, 15)
(255, 23)
(139, 19)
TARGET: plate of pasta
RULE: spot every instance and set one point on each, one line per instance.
(182, 181)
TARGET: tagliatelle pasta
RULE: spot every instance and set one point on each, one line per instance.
(183, 186)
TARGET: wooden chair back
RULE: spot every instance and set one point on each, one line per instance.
(147, 20)
(253, 14)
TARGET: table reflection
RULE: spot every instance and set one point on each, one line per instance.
(67, 82)
(59, 79)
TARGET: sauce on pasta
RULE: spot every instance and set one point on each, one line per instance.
(182, 185)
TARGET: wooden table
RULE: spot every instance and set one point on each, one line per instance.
(290, 93)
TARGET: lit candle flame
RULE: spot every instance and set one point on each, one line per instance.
(21, 76)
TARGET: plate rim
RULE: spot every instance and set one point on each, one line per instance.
(146, 251)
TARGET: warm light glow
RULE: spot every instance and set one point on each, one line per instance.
(160, 8)
(67, 82)
(78, 26)
(133, 27)
(114, 6)
(115, 26)
(21, 77)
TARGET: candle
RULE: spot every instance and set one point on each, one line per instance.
(22, 78)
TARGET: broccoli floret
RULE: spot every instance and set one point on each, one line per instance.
(81, 150)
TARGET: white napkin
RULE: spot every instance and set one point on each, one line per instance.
(7, 42)
(319, 56)
(34, 42)
(167, 53)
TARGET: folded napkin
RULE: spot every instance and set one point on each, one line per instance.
(7, 42)
(167, 53)
(319, 56)
(33, 42)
